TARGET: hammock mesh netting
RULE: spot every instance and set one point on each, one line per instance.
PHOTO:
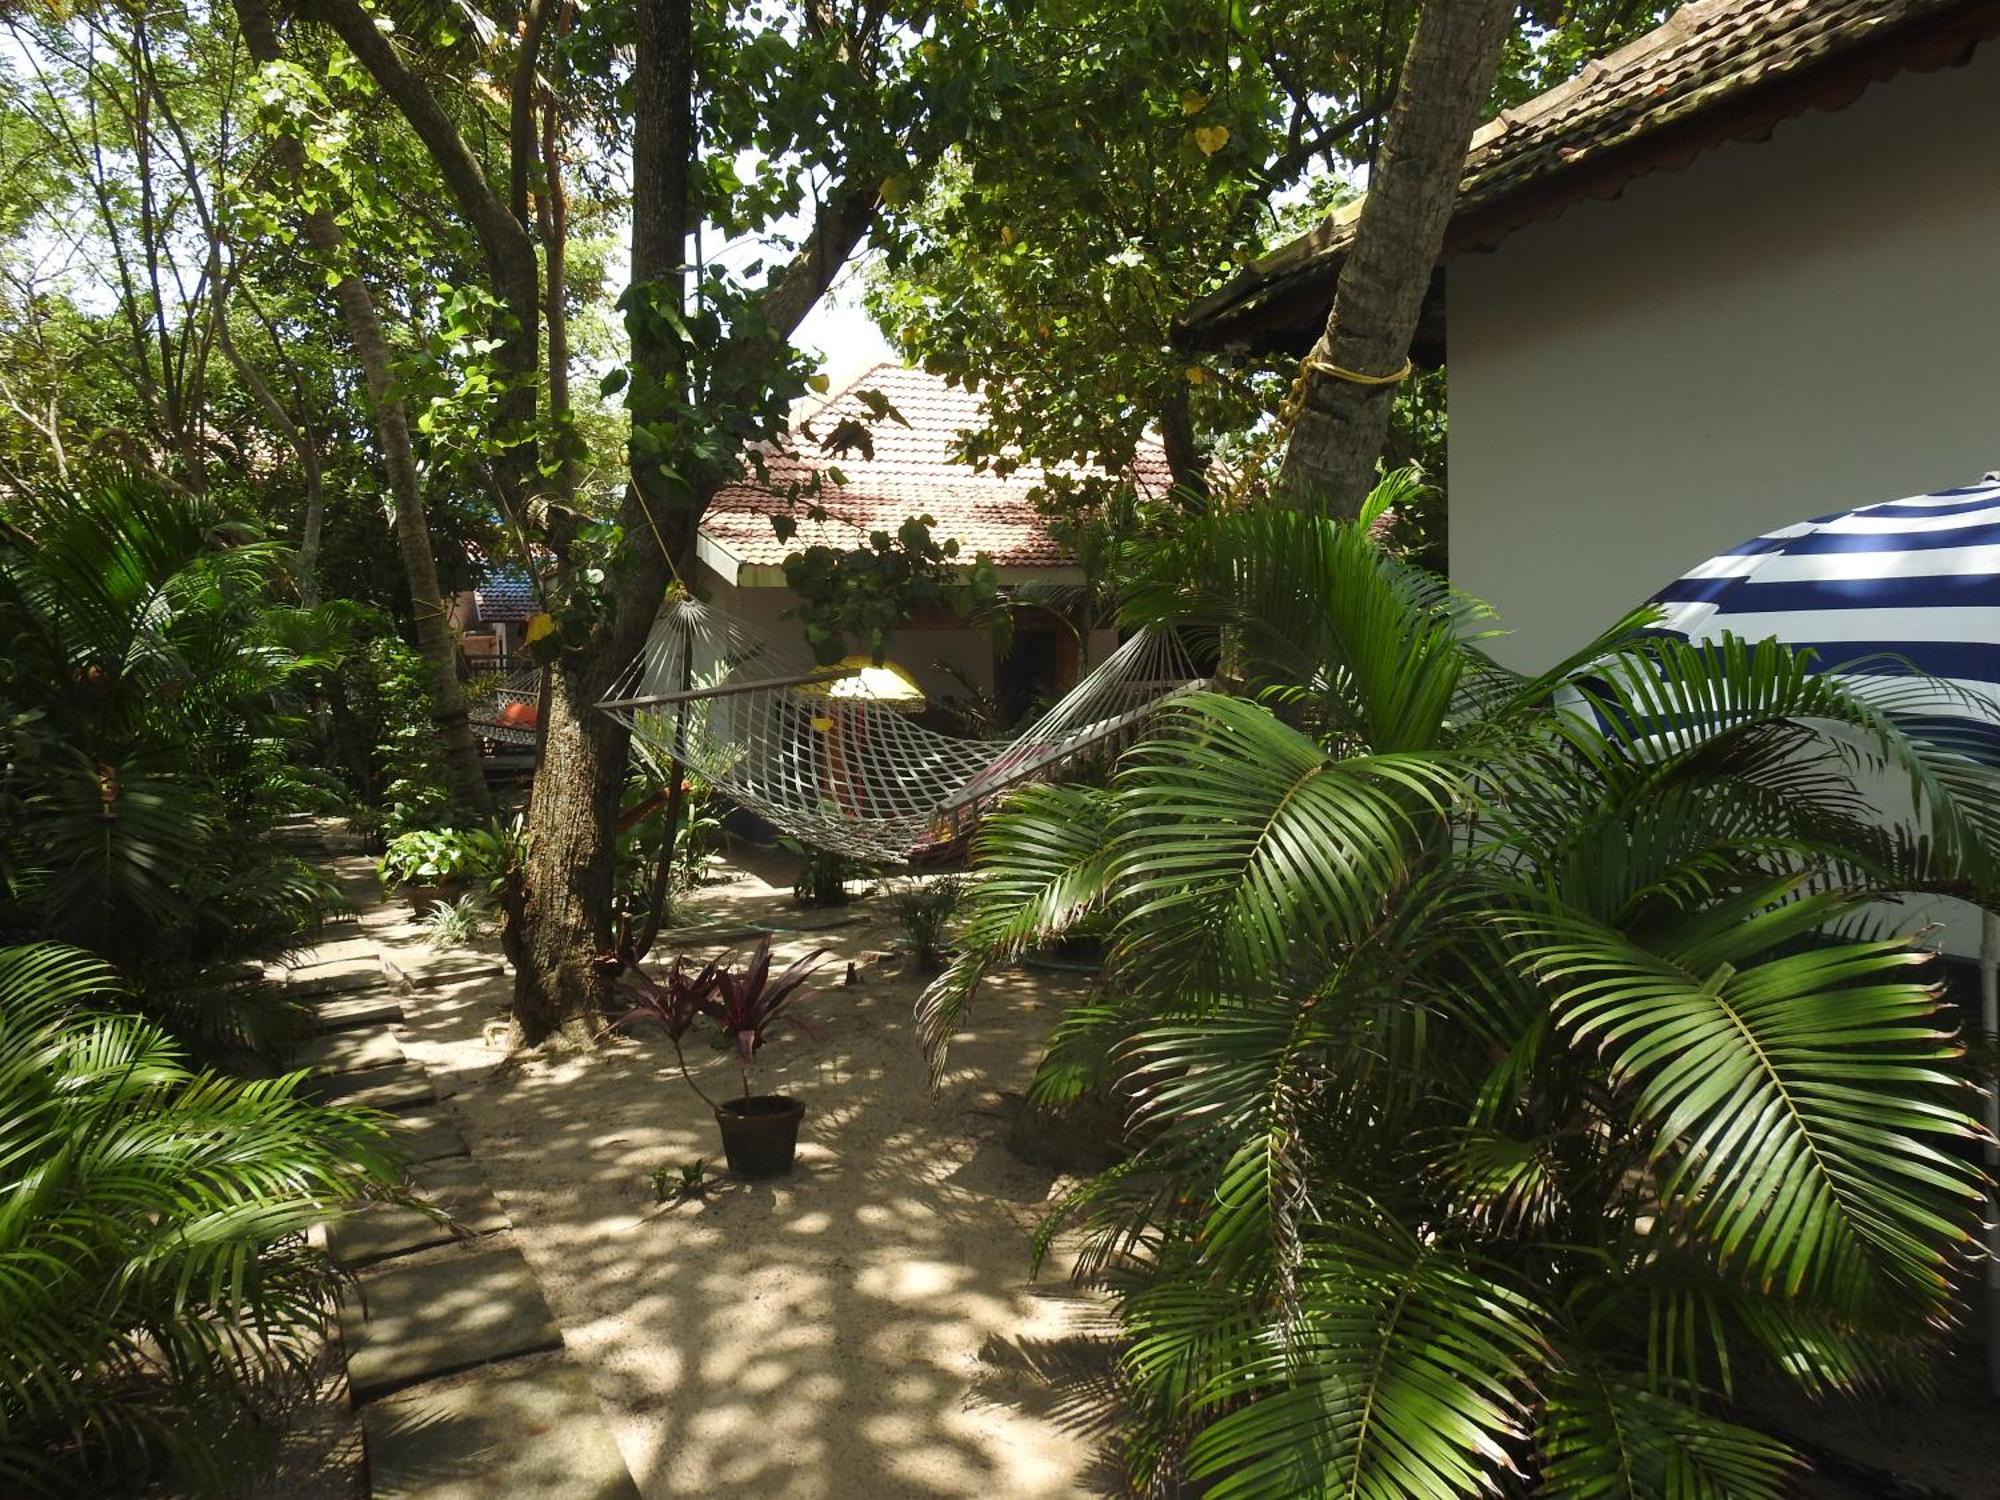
(503, 706)
(833, 756)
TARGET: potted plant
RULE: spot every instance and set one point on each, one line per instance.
(431, 866)
(760, 1132)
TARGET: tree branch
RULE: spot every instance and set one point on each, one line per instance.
(521, 149)
(843, 220)
(502, 236)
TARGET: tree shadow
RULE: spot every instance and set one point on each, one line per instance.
(852, 1330)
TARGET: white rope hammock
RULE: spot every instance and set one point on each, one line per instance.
(818, 755)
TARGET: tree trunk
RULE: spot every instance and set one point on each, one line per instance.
(567, 966)
(1186, 461)
(469, 796)
(564, 964)
(1447, 76)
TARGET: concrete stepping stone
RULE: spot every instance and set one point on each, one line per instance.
(351, 1051)
(412, 1323)
(402, 1085)
(504, 1434)
(381, 1007)
(382, 1230)
(336, 978)
(428, 1136)
(425, 968)
(334, 951)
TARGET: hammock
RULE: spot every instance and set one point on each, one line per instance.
(815, 754)
(504, 709)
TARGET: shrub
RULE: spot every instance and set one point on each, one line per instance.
(451, 923)
(149, 698)
(825, 875)
(1505, 1084)
(443, 856)
(156, 1286)
(927, 910)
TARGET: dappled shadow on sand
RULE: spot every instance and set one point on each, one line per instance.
(865, 1327)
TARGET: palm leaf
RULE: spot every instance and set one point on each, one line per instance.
(1042, 868)
(1609, 1435)
(1797, 1105)
(1238, 842)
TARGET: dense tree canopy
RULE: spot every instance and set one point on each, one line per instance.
(1133, 161)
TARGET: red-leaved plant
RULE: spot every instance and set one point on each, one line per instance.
(743, 1004)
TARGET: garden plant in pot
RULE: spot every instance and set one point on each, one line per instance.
(433, 866)
(760, 1132)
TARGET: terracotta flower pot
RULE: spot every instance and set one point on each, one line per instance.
(760, 1134)
(424, 898)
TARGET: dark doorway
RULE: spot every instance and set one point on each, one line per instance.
(1035, 673)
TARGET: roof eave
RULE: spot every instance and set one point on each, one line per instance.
(1259, 312)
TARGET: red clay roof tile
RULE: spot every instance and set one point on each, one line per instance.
(912, 473)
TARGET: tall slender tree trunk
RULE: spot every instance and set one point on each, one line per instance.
(1344, 420)
(1186, 461)
(469, 795)
(567, 960)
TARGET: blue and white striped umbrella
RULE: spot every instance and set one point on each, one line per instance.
(1885, 591)
(1916, 580)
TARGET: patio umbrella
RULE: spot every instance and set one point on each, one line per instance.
(1886, 590)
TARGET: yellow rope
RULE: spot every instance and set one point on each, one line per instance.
(1320, 366)
(1289, 411)
(639, 494)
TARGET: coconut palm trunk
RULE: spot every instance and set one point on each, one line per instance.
(1352, 372)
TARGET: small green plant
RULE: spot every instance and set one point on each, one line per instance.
(687, 1183)
(450, 924)
(825, 875)
(442, 856)
(927, 909)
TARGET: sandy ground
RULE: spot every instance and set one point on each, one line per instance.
(863, 1328)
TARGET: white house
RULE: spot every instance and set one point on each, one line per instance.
(1744, 271)
(909, 468)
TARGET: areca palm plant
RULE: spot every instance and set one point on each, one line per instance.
(148, 692)
(156, 1287)
(1509, 1065)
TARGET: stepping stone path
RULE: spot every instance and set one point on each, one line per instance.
(453, 1356)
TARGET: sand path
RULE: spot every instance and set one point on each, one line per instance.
(864, 1328)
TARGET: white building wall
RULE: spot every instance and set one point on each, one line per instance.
(1782, 329)
(761, 611)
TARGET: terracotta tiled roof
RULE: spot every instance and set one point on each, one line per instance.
(1715, 70)
(912, 473)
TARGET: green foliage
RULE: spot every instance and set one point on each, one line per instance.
(1500, 1089)
(443, 856)
(152, 697)
(385, 692)
(451, 924)
(928, 911)
(825, 875)
(690, 1182)
(157, 1293)
(1135, 158)
(858, 597)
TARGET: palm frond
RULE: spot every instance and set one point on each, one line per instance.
(1042, 868)
(1609, 1435)
(1238, 841)
(1798, 1105)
